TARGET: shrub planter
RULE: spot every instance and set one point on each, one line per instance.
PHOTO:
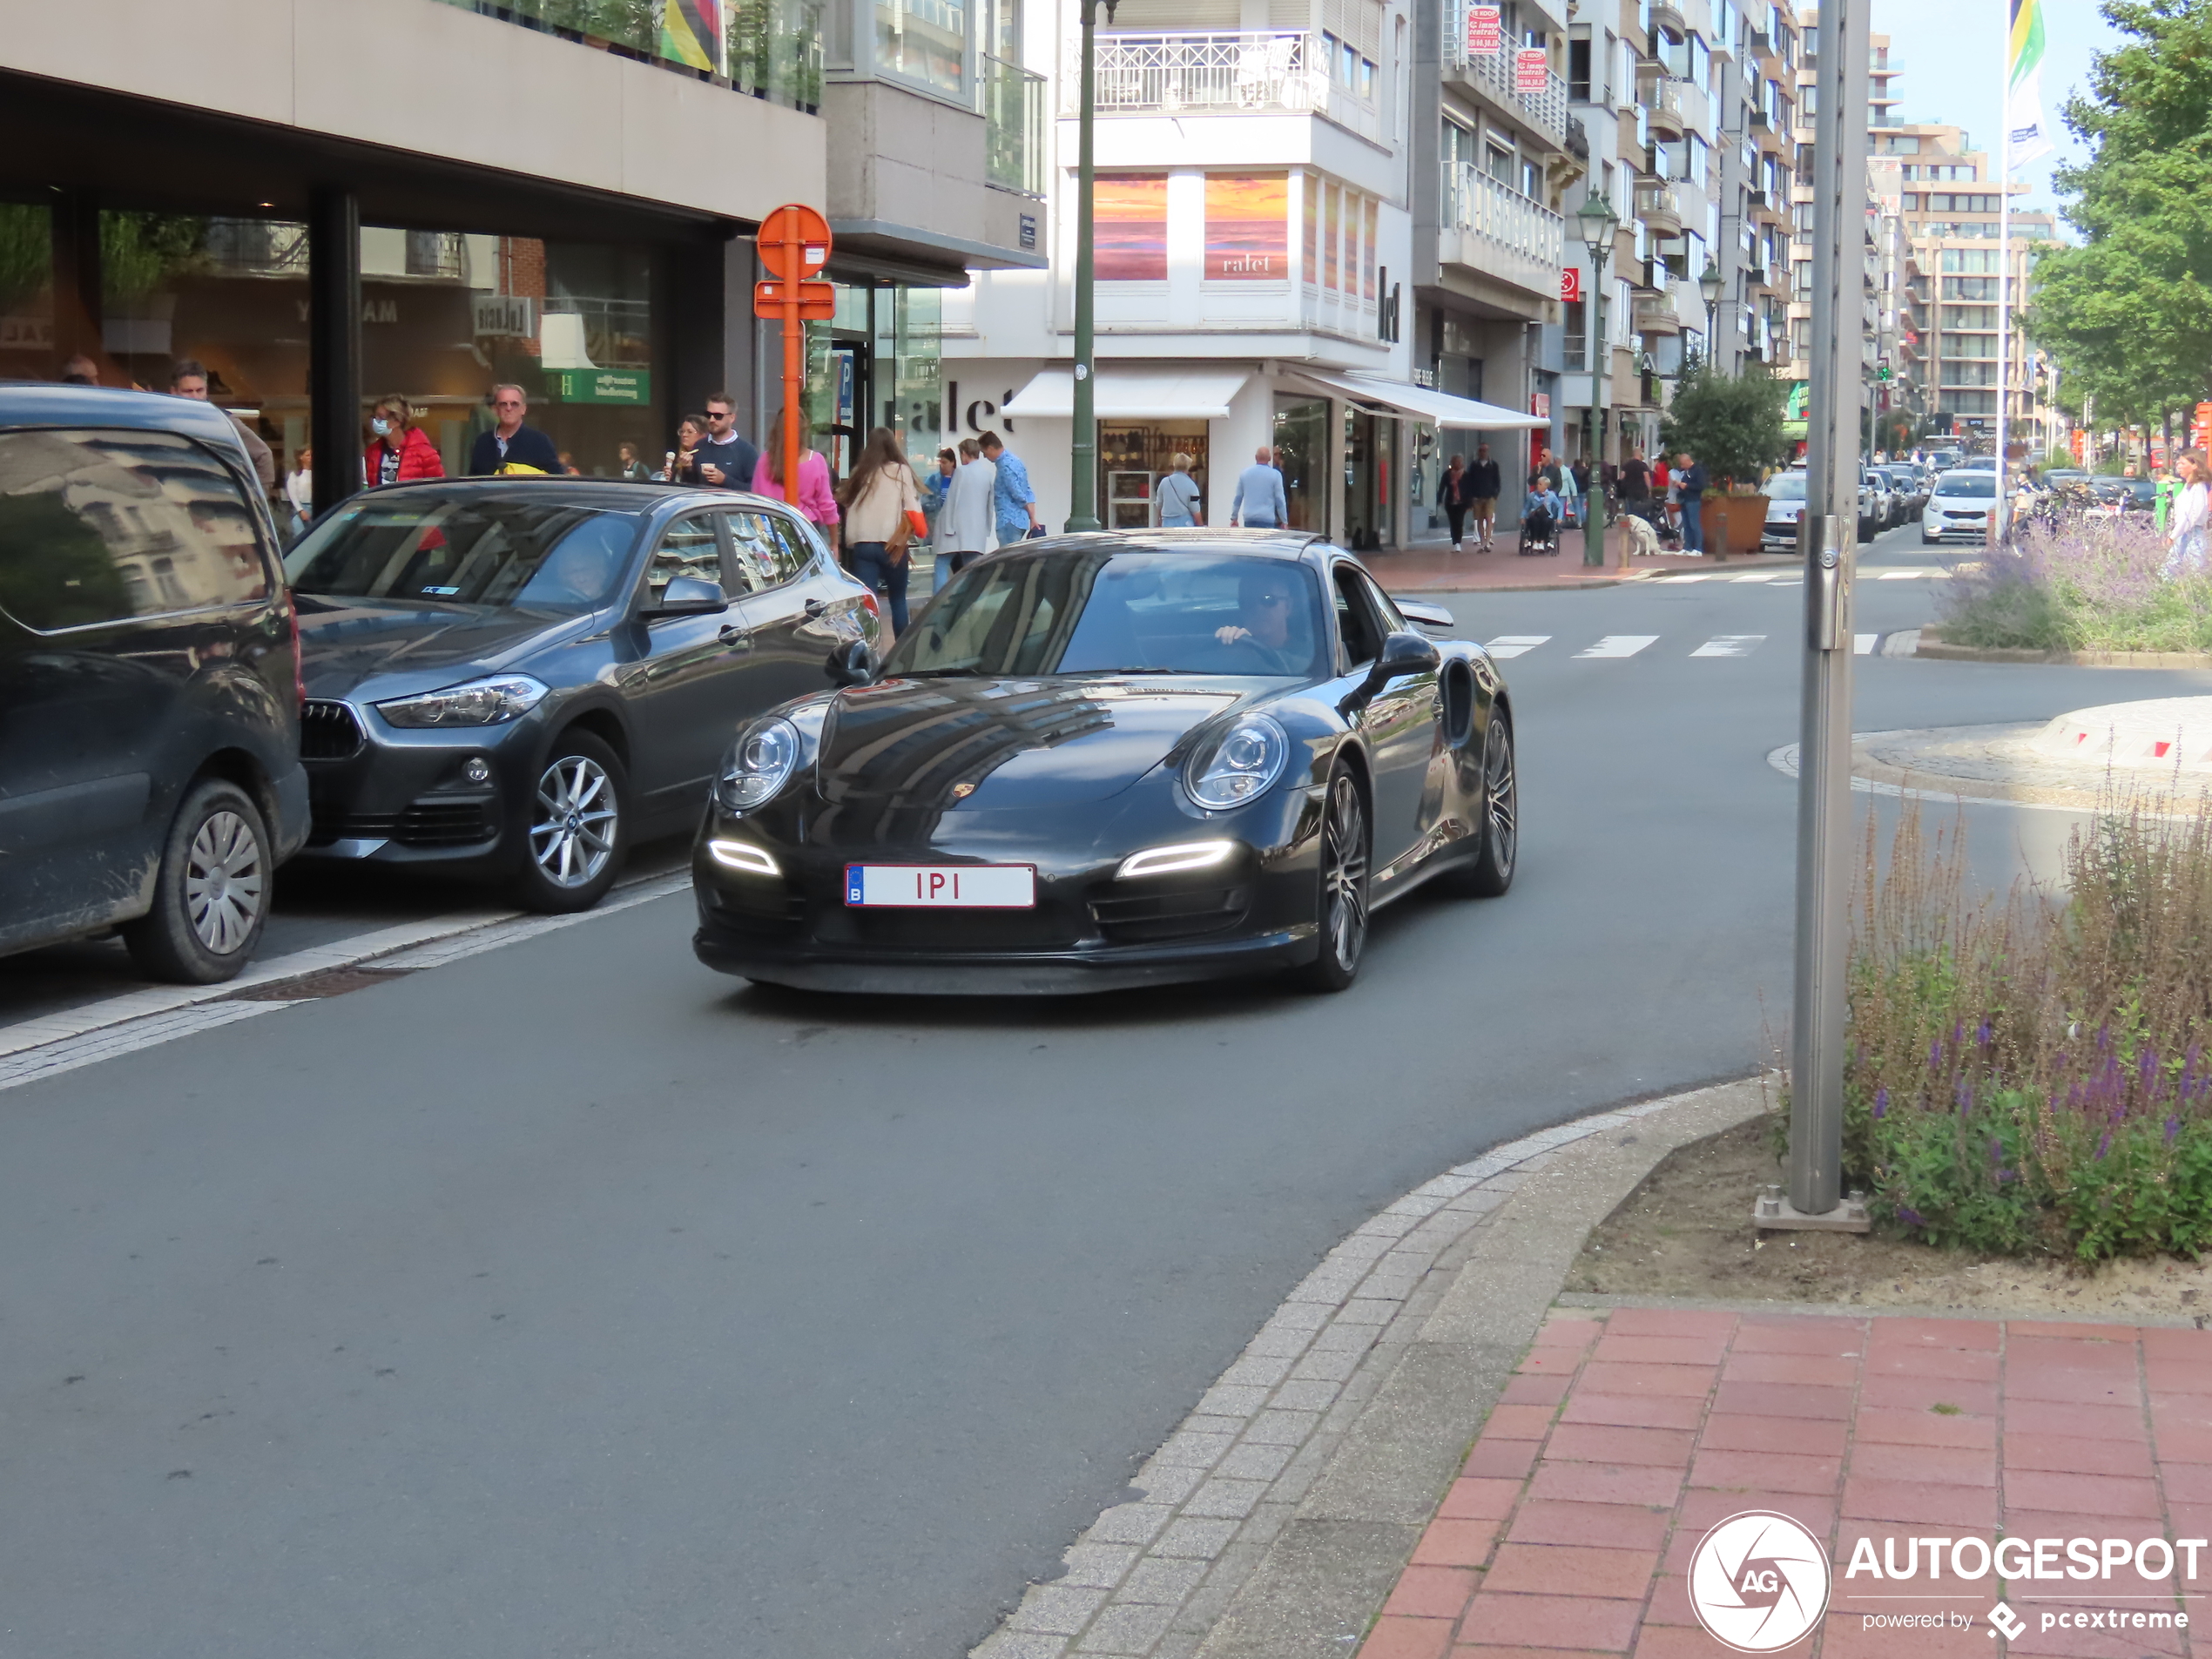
(1734, 523)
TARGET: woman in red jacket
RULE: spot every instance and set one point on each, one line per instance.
(398, 451)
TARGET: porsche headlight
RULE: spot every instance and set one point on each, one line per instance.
(485, 702)
(1239, 765)
(758, 764)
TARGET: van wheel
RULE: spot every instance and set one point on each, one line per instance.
(577, 825)
(211, 895)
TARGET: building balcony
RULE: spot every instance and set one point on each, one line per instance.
(1493, 76)
(1663, 109)
(1766, 210)
(1014, 137)
(1665, 14)
(770, 49)
(1655, 314)
(1253, 72)
(1492, 228)
(1659, 207)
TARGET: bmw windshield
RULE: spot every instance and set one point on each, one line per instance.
(458, 549)
(1106, 612)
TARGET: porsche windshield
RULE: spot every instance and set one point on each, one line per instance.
(1132, 612)
(486, 550)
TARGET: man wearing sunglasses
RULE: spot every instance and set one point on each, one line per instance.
(1268, 603)
(725, 458)
(510, 443)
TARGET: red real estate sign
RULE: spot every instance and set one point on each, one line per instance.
(1570, 283)
(1486, 30)
(1530, 65)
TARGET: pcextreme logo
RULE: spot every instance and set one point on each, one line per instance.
(1758, 1581)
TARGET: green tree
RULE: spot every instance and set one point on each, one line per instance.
(1731, 422)
(2129, 312)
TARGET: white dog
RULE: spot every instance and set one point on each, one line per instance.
(1643, 541)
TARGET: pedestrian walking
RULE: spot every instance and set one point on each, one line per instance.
(399, 451)
(1662, 491)
(1260, 503)
(1635, 479)
(1450, 489)
(300, 490)
(2192, 516)
(812, 496)
(882, 508)
(1549, 467)
(188, 378)
(1179, 495)
(510, 443)
(723, 456)
(1015, 514)
(964, 523)
(631, 468)
(1484, 484)
(1689, 480)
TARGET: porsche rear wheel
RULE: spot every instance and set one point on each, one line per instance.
(1345, 848)
(1491, 872)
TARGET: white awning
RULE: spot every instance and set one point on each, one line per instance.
(1134, 392)
(1440, 408)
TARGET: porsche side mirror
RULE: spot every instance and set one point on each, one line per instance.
(1427, 615)
(851, 663)
(1406, 653)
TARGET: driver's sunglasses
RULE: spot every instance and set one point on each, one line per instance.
(1272, 599)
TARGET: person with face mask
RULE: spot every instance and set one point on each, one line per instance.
(398, 451)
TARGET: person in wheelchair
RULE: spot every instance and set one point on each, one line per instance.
(1540, 517)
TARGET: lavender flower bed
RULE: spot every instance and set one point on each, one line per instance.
(2092, 584)
(2034, 1075)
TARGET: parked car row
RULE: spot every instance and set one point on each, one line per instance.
(508, 678)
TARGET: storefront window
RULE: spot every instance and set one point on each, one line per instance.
(1301, 456)
(1133, 459)
(26, 293)
(876, 363)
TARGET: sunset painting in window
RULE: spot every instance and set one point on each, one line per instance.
(1130, 241)
(1248, 228)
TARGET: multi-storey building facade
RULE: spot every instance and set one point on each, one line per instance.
(504, 197)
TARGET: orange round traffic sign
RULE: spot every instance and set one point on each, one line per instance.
(794, 241)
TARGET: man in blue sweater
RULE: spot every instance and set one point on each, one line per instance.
(1259, 503)
(509, 442)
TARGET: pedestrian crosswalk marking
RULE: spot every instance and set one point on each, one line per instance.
(1619, 645)
(1729, 645)
(1862, 645)
(1694, 576)
(1515, 644)
(1899, 575)
(1756, 576)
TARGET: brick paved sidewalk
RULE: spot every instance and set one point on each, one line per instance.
(1624, 1435)
(1435, 567)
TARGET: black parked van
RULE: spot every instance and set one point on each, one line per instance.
(150, 776)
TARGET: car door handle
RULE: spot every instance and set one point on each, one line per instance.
(815, 608)
(733, 633)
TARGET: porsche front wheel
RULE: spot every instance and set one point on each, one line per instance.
(1345, 845)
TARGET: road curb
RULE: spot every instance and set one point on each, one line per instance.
(1934, 646)
(1273, 1521)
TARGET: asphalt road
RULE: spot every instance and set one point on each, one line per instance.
(573, 1301)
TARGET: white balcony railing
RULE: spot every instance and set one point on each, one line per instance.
(1493, 73)
(1517, 237)
(1198, 73)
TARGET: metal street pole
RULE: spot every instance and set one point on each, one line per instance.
(1594, 504)
(1082, 461)
(1829, 538)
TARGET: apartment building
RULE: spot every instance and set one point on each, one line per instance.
(1261, 255)
(326, 204)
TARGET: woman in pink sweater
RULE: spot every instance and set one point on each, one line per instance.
(815, 498)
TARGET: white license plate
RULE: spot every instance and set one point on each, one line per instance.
(932, 887)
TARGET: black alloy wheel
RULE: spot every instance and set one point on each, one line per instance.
(578, 826)
(211, 895)
(1342, 916)
(1491, 873)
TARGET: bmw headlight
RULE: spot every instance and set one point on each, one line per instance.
(1239, 765)
(758, 764)
(486, 702)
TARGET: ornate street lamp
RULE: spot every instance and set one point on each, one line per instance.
(1710, 285)
(1082, 461)
(1595, 222)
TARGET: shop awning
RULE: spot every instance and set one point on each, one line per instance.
(1439, 409)
(1133, 393)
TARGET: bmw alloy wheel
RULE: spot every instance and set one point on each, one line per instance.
(225, 884)
(1343, 875)
(573, 821)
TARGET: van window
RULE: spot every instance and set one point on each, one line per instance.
(99, 526)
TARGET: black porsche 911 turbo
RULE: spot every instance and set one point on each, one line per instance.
(1112, 760)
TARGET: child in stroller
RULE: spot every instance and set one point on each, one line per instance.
(1540, 517)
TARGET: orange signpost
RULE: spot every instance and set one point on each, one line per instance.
(794, 243)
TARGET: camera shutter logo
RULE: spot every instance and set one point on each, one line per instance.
(1758, 1581)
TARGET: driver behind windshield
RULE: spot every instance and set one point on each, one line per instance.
(1264, 600)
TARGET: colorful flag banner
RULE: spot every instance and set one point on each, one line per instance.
(2027, 137)
(691, 32)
